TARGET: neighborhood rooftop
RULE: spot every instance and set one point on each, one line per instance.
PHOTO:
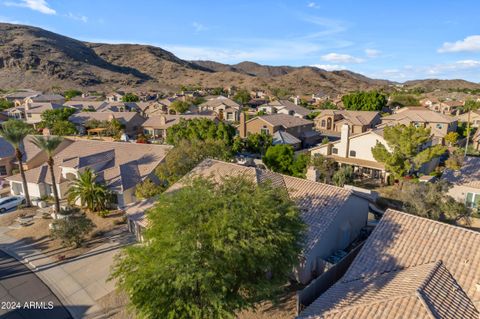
(284, 120)
(410, 267)
(467, 175)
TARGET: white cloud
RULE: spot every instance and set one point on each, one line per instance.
(341, 58)
(330, 67)
(469, 44)
(372, 53)
(199, 27)
(313, 5)
(82, 18)
(329, 26)
(36, 5)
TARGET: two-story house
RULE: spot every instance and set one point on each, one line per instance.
(222, 107)
(284, 107)
(332, 121)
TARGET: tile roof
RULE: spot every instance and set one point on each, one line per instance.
(283, 120)
(418, 114)
(319, 203)
(286, 104)
(219, 101)
(410, 267)
(467, 175)
(165, 121)
(29, 150)
(282, 137)
(38, 108)
(354, 117)
(83, 117)
(119, 165)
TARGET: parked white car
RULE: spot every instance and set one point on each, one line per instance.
(10, 202)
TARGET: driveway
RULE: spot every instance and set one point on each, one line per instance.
(23, 295)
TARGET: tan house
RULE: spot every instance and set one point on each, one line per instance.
(156, 126)
(439, 124)
(116, 96)
(474, 118)
(466, 182)
(409, 267)
(33, 111)
(132, 121)
(18, 97)
(447, 107)
(44, 98)
(331, 121)
(120, 166)
(222, 107)
(270, 124)
(284, 107)
(334, 215)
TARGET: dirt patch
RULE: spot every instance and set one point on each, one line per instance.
(37, 233)
(114, 306)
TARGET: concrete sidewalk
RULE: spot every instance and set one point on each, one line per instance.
(77, 282)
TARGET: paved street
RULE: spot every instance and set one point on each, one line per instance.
(23, 294)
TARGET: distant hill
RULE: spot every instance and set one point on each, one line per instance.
(31, 57)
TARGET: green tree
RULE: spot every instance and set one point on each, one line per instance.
(325, 166)
(92, 195)
(130, 97)
(73, 229)
(57, 121)
(242, 97)
(5, 104)
(430, 200)
(49, 145)
(469, 106)
(147, 189)
(451, 138)
(365, 101)
(343, 176)
(402, 99)
(179, 106)
(407, 151)
(328, 105)
(233, 244)
(200, 129)
(186, 155)
(14, 132)
(279, 158)
(69, 94)
(300, 164)
(253, 143)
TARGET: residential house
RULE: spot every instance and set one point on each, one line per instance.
(409, 267)
(120, 166)
(131, 121)
(476, 140)
(32, 156)
(33, 111)
(448, 107)
(465, 182)
(334, 215)
(439, 124)
(19, 97)
(474, 118)
(298, 128)
(356, 151)
(156, 126)
(285, 107)
(116, 96)
(87, 105)
(16, 112)
(222, 107)
(44, 98)
(332, 121)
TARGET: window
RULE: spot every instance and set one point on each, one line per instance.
(472, 200)
(3, 170)
(334, 150)
(324, 123)
(264, 130)
(29, 115)
(353, 154)
(439, 126)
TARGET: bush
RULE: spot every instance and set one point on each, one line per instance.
(73, 229)
(104, 213)
(147, 189)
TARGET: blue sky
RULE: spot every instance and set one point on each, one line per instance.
(397, 40)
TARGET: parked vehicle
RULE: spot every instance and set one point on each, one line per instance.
(10, 202)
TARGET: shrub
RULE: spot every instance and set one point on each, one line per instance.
(73, 229)
(103, 213)
(147, 189)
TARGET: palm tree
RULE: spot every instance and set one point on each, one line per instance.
(14, 132)
(92, 195)
(470, 106)
(49, 145)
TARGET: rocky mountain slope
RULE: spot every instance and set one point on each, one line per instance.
(34, 58)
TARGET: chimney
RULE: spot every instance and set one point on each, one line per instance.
(242, 128)
(296, 100)
(312, 174)
(344, 145)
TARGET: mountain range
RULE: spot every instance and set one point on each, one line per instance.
(35, 58)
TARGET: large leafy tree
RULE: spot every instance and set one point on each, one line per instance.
(130, 97)
(253, 143)
(365, 101)
(242, 96)
(407, 149)
(5, 104)
(279, 158)
(325, 166)
(180, 106)
(57, 121)
(49, 145)
(213, 250)
(200, 129)
(69, 94)
(186, 155)
(14, 132)
(92, 195)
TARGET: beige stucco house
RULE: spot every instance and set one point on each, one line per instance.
(132, 121)
(156, 126)
(284, 107)
(465, 182)
(331, 121)
(334, 215)
(222, 107)
(120, 166)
